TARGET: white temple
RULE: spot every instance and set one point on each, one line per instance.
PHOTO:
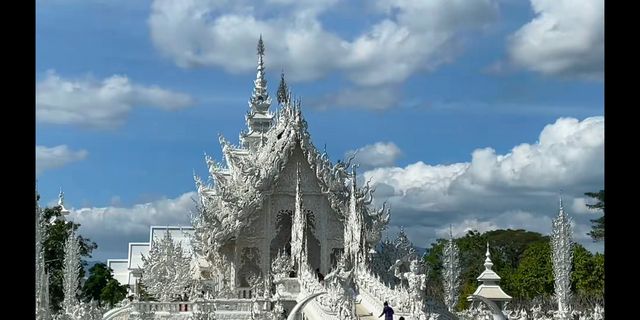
(275, 193)
(273, 213)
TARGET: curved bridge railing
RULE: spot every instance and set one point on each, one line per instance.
(113, 313)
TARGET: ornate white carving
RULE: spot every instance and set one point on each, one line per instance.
(166, 270)
(417, 285)
(451, 273)
(562, 256)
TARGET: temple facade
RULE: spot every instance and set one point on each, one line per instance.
(275, 194)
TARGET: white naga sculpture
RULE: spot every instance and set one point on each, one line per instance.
(417, 284)
(344, 276)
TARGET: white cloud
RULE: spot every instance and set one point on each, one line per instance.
(565, 38)
(516, 190)
(516, 219)
(113, 227)
(519, 220)
(379, 154)
(579, 206)
(412, 36)
(55, 157)
(100, 104)
(461, 228)
(373, 98)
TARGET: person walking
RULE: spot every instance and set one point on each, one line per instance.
(387, 312)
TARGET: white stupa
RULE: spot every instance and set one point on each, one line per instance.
(490, 287)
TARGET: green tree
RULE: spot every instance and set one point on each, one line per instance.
(99, 277)
(113, 293)
(587, 276)
(597, 227)
(55, 236)
(507, 248)
(523, 261)
(534, 275)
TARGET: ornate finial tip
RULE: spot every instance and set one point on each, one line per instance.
(60, 197)
(561, 207)
(260, 46)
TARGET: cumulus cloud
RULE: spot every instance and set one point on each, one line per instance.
(411, 36)
(112, 228)
(579, 206)
(100, 104)
(517, 190)
(565, 38)
(56, 157)
(375, 98)
(379, 154)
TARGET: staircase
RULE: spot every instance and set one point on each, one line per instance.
(363, 314)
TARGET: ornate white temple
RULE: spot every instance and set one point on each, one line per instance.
(275, 192)
(272, 214)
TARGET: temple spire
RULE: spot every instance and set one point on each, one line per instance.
(298, 225)
(260, 46)
(350, 226)
(260, 100)
(488, 264)
(63, 210)
(61, 198)
(259, 119)
(490, 284)
(283, 89)
(562, 258)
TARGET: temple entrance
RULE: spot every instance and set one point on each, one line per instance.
(312, 241)
(282, 241)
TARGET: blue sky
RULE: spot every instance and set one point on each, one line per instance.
(131, 94)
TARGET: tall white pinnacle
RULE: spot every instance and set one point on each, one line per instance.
(487, 262)
(43, 312)
(259, 119)
(71, 272)
(260, 100)
(562, 257)
(298, 224)
(451, 272)
(63, 210)
(353, 227)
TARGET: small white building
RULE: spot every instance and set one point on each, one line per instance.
(490, 286)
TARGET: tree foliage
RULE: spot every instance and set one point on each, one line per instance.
(523, 261)
(113, 293)
(588, 273)
(597, 227)
(534, 276)
(102, 287)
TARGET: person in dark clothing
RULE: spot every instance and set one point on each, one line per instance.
(387, 312)
(320, 275)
